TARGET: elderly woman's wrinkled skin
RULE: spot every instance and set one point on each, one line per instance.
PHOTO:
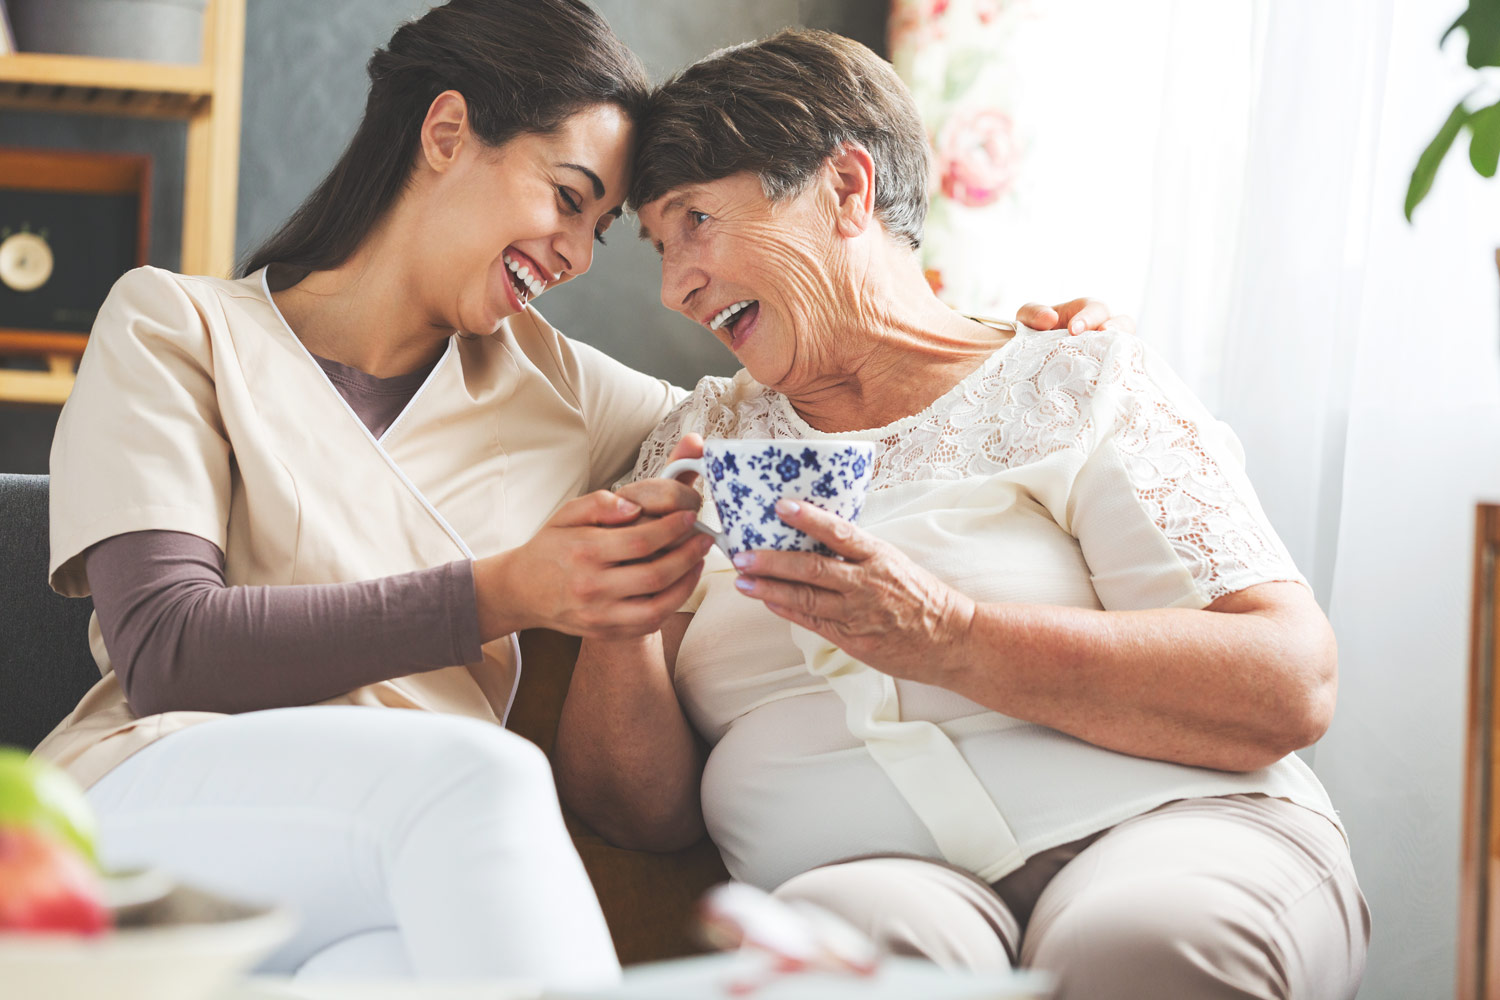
(820, 331)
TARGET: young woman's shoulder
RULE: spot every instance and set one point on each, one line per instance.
(165, 305)
(149, 280)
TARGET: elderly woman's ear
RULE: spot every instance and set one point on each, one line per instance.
(852, 172)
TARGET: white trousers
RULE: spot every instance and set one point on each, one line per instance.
(407, 843)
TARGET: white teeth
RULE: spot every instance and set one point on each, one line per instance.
(728, 312)
(534, 284)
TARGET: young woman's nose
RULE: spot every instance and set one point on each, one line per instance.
(575, 246)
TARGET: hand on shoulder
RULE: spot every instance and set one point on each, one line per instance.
(1077, 316)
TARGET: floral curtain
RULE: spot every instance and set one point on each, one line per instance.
(953, 54)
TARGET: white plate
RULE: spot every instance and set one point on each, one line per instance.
(186, 945)
(123, 890)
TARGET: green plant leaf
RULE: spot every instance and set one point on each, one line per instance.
(1481, 22)
(1432, 156)
(1484, 147)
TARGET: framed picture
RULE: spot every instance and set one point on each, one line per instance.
(70, 224)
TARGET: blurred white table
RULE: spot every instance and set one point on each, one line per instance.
(702, 978)
(264, 988)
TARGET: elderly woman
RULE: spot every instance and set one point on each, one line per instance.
(1042, 708)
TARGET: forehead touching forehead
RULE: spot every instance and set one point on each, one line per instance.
(594, 144)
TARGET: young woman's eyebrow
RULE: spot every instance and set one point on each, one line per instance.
(593, 177)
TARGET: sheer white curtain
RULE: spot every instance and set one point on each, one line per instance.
(1233, 173)
(1358, 358)
(1359, 361)
(1423, 445)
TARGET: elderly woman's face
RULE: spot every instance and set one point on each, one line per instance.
(759, 275)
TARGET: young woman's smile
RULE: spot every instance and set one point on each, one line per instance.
(545, 200)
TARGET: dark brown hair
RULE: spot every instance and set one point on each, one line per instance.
(779, 108)
(523, 66)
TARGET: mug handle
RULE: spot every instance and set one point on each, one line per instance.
(676, 469)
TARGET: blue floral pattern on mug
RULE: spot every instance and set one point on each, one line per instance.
(746, 478)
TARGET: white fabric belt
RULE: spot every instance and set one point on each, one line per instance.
(921, 761)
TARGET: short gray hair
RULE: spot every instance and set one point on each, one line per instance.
(779, 108)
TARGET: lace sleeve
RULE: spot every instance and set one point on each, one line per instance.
(707, 411)
(1161, 506)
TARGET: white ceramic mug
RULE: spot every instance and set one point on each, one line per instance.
(746, 476)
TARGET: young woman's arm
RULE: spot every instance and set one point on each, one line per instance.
(181, 639)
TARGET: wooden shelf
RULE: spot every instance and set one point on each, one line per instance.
(35, 81)
(206, 96)
(48, 388)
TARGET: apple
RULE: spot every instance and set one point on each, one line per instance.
(37, 794)
(47, 886)
(49, 877)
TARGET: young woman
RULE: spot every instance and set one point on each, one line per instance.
(301, 488)
(346, 480)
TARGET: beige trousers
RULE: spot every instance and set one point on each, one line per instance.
(1240, 896)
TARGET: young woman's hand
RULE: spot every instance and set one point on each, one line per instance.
(603, 567)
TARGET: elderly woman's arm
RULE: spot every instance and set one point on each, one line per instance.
(1235, 686)
(627, 760)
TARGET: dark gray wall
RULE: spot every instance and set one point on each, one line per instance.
(304, 90)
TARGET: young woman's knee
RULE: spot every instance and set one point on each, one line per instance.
(461, 775)
(492, 765)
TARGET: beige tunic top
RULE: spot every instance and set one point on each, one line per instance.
(198, 410)
(1073, 471)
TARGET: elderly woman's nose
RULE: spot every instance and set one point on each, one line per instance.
(678, 283)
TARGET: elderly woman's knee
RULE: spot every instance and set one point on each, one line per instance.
(913, 907)
(846, 890)
(1199, 938)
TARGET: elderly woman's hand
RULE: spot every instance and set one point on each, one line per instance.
(1076, 316)
(876, 604)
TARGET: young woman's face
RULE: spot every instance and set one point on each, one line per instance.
(509, 222)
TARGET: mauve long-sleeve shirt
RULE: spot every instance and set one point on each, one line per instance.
(180, 638)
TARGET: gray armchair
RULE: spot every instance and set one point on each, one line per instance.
(45, 664)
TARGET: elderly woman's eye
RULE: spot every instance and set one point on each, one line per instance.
(698, 218)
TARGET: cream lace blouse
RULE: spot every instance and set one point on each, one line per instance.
(1065, 470)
